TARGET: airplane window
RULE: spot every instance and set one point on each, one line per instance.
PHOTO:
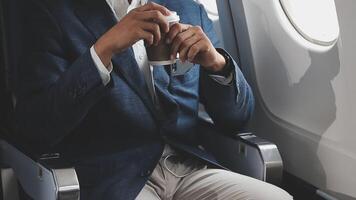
(315, 20)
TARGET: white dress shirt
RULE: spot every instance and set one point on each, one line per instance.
(120, 8)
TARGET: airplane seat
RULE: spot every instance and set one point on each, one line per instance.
(41, 176)
(48, 177)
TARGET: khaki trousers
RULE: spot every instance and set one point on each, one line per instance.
(179, 177)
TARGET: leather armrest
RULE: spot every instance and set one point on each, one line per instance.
(244, 153)
(43, 177)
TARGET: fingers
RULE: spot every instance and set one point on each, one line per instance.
(151, 18)
(178, 40)
(185, 46)
(156, 17)
(201, 46)
(175, 29)
(154, 29)
(147, 36)
(153, 6)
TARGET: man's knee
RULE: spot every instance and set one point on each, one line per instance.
(270, 192)
(253, 188)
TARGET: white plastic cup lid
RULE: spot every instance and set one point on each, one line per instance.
(173, 17)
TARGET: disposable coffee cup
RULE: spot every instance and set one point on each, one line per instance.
(161, 54)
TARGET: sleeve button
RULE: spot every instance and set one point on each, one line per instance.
(146, 173)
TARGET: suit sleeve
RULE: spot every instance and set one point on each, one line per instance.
(55, 92)
(230, 106)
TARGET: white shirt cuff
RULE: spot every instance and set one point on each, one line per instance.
(222, 79)
(103, 71)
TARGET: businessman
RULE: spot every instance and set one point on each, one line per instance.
(87, 91)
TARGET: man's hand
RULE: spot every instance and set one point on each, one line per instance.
(193, 45)
(145, 22)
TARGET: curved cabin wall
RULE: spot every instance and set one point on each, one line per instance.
(304, 82)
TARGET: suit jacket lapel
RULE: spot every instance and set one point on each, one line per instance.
(126, 65)
(98, 17)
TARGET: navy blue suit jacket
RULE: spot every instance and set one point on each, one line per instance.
(113, 134)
